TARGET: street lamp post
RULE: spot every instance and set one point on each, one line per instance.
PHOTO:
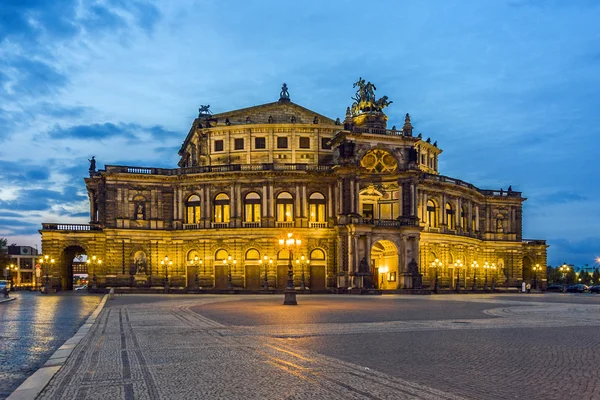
(436, 265)
(564, 269)
(493, 267)
(9, 273)
(166, 263)
(93, 262)
(46, 261)
(289, 244)
(196, 263)
(267, 266)
(536, 268)
(458, 265)
(475, 267)
(302, 262)
(486, 267)
(229, 261)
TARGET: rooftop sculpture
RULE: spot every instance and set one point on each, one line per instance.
(365, 101)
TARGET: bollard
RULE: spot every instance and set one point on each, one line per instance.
(111, 294)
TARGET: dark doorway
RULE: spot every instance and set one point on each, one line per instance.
(317, 278)
(65, 272)
(191, 276)
(253, 277)
(221, 277)
(527, 275)
(282, 277)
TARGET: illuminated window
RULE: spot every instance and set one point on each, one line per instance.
(221, 208)
(431, 213)
(252, 254)
(464, 221)
(367, 210)
(252, 207)
(285, 207)
(316, 207)
(192, 210)
(450, 216)
(317, 254)
(221, 254)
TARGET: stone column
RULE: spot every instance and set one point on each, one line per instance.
(329, 202)
(400, 206)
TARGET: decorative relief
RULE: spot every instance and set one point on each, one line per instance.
(379, 161)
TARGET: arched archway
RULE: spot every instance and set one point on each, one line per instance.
(317, 273)
(70, 256)
(384, 265)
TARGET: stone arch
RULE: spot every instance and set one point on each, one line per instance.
(386, 266)
(252, 254)
(64, 269)
(140, 263)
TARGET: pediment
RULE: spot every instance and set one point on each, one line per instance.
(275, 113)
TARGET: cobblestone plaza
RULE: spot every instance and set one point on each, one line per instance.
(333, 347)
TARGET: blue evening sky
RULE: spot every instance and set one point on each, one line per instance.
(508, 88)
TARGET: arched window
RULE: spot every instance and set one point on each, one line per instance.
(192, 210)
(450, 216)
(285, 207)
(317, 254)
(464, 220)
(252, 254)
(221, 254)
(221, 207)
(500, 223)
(252, 207)
(316, 207)
(431, 213)
(283, 255)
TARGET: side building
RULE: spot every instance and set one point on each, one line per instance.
(368, 203)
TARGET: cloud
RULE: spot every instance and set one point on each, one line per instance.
(91, 132)
(110, 130)
(576, 252)
(561, 197)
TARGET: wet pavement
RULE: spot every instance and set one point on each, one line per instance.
(481, 346)
(33, 327)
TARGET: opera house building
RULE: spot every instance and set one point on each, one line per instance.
(352, 205)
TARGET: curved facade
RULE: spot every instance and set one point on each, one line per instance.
(367, 202)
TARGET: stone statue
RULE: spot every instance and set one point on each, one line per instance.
(92, 164)
(364, 99)
(284, 95)
(360, 93)
(139, 211)
(204, 111)
(370, 92)
(382, 103)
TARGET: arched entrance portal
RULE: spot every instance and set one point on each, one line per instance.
(384, 265)
(70, 256)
